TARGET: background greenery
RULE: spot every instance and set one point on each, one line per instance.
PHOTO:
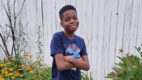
(129, 68)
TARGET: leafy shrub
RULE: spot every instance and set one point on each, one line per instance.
(129, 68)
(23, 68)
(85, 76)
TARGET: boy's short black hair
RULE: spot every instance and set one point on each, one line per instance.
(65, 8)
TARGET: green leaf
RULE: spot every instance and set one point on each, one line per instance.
(138, 49)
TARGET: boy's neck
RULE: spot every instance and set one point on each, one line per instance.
(69, 35)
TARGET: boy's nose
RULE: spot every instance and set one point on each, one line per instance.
(72, 21)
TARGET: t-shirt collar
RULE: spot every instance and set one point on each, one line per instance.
(69, 38)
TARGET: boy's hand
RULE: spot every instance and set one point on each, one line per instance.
(68, 58)
(81, 63)
(71, 59)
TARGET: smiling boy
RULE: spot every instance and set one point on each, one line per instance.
(67, 49)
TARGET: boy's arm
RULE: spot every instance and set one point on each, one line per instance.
(61, 64)
(81, 63)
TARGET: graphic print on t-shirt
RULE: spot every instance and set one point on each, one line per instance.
(73, 50)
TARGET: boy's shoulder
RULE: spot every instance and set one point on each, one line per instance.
(58, 34)
(79, 38)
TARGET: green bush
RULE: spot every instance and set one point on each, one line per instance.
(129, 67)
(23, 68)
(85, 76)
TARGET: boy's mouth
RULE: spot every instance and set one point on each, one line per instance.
(74, 26)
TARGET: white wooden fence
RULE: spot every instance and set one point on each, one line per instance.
(106, 26)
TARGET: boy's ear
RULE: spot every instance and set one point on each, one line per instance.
(61, 24)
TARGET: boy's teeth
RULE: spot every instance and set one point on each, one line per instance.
(73, 26)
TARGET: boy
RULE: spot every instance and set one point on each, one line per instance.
(67, 49)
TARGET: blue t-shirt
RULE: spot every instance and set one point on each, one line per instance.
(61, 44)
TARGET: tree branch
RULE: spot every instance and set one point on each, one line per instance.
(3, 50)
(21, 8)
(5, 46)
(13, 30)
(7, 13)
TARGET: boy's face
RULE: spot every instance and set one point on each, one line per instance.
(69, 21)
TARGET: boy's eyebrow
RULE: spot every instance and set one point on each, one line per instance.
(69, 17)
(73, 15)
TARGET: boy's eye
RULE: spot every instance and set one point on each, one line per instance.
(67, 19)
(75, 18)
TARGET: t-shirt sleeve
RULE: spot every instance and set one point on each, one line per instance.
(56, 45)
(83, 50)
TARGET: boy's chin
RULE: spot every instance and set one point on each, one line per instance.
(71, 32)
